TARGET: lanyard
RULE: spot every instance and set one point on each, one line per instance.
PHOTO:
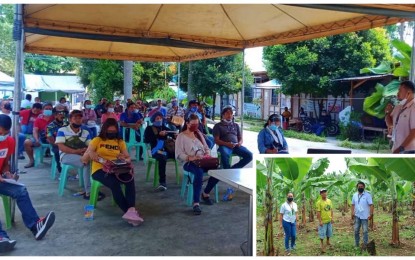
(359, 197)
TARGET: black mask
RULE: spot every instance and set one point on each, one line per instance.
(75, 125)
(112, 135)
(361, 190)
(290, 199)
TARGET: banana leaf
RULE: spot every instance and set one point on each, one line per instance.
(384, 67)
(375, 104)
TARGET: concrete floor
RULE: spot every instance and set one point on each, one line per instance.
(169, 229)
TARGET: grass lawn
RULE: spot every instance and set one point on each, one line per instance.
(308, 243)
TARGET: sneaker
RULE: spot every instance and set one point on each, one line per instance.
(197, 210)
(207, 199)
(6, 244)
(132, 217)
(287, 252)
(161, 187)
(43, 225)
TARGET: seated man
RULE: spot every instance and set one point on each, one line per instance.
(52, 131)
(39, 133)
(38, 226)
(158, 108)
(228, 137)
(176, 111)
(73, 141)
(132, 120)
(27, 121)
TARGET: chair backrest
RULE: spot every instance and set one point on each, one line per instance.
(328, 151)
(147, 121)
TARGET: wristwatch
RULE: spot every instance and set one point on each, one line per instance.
(401, 149)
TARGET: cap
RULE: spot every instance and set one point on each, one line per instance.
(323, 190)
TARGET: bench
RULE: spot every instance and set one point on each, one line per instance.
(384, 131)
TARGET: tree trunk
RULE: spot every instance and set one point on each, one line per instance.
(269, 237)
(395, 224)
(128, 79)
(190, 94)
(303, 213)
(311, 213)
(213, 106)
(413, 200)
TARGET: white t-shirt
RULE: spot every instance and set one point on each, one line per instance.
(289, 211)
(26, 104)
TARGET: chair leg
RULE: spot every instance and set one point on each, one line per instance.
(176, 165)
(190, 191)
(62, 182)
(148, 170)
(81, 177)
(93, 196)
(156, 174)
(184, 184)
(7, 210)
(53, 167)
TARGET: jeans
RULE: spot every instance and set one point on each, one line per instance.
(290, 231)
(162, 161)
(109, 180)
(210, 141)
(75, 160)
(357, 223)
(226, 152)
(20, 194)
(198, 181)
(21, 139)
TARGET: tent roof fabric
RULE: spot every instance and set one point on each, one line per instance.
(272, 84)
(183, 32)
(48, 83)
(6, 80)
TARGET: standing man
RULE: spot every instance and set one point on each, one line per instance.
(362, 212)
(325, 218)
(228, 137)
(402, 119)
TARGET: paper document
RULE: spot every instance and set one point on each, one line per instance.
(12, 181)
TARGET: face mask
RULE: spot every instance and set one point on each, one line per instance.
(47, 112)
(290, 199)
(361, 190)
(157, 123)
(227, 121)
(112, 135)
(193, 128)
(193, 109)
(403, 101)
(3, 137)
(273, 127)
(111, 110)
(89, 106)
(135, 110)
(76, 126)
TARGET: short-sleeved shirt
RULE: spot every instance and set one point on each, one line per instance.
(106, 149)
(325, 207)
(27, 116)
(289, 212)
(6, 147)
(68, 137)
(53, 127)
(362, 204)
(227, 132)
(172, 112)
(41, 123)
(101, 108)
(26, 104)
(405, 115)
(130, 118)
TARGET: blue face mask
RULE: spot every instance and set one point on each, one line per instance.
(3, 137)
(273, 127)
(47, 112)
(136, 111)
(158, 123)
(89, 106)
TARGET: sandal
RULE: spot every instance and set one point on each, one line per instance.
(197, 210)
(207, 199)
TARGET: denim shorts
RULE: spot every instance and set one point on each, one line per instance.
(325, 231)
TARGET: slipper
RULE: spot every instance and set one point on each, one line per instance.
(79, 194)
(30, 165)
(197, 210)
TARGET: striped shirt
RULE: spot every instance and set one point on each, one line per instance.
(71, 139)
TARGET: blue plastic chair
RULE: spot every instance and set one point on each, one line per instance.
(64, 177)
(39, 153)
(189, 187)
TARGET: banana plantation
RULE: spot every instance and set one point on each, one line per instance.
(390, 182)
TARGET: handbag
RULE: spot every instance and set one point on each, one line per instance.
(123, 172)
(177, 120)
(207, 163)
(169, 144)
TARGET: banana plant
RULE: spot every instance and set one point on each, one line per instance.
(390, 171)
(375, 104)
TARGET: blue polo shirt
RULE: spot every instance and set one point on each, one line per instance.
(362, 204)
(130, 118)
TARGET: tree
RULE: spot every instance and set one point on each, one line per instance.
(310, 66)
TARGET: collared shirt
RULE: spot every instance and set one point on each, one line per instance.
(227, 132)
(53, 127)
(68, 137)
(362, 204)
(289, 211)
(403, 123)
(172, 112)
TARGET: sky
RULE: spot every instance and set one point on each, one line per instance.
(253, 58)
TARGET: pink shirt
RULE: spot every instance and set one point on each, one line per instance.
(109, 115)
(406, 123)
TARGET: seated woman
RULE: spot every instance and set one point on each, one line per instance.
(190, 146)
(109, 114)
(89, 118)
(271, 139)
(158, 131)
(108, 146)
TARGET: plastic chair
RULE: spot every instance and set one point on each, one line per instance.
(64, 175)
(132, 142)
(93, 195)
(39, 153)
(150, 162)
(53, 165)
(7, 203)
(189, 186)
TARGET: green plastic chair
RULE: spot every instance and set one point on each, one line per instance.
(7, 204)
(39, 153)
(64, 177)
(186, 185)
(93, 195)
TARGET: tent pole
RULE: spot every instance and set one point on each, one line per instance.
(243, 91)
(411, 76)
(18, 77)
(178, 83)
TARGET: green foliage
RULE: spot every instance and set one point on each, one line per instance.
(308, 66)
(7, 46)
(304, 136)
(43, 64)
(351, 131)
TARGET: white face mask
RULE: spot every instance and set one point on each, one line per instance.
(111, 110)
(403, 101)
